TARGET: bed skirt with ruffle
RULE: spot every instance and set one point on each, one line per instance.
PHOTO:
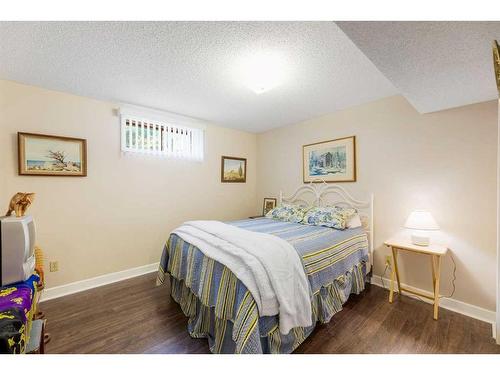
(231, 321)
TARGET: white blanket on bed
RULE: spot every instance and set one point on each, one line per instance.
(269, 267)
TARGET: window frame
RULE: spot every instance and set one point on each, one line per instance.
(171, 128)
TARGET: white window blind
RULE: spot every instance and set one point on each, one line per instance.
(140, 135)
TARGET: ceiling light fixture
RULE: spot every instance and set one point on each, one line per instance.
(262, 71)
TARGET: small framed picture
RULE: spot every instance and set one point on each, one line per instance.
(269, 204)
(233, 169)
(330, 161)
(51, 155)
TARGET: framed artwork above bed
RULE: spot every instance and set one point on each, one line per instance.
(233, 169)
(330, 161)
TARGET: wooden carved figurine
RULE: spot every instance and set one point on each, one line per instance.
(20, 203)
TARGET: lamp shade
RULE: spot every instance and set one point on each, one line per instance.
(422, 220)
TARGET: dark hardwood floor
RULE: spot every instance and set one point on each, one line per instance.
(134, 316)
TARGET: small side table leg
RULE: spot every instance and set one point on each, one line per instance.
(436, 285)
(395, 266)
(433, 272)
(393, 276)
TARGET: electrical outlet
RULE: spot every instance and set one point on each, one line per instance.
(54, 266)
(388, 260)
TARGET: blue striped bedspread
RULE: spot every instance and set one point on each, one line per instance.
(326, 253)
(220, 307)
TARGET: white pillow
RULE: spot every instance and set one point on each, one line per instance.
(354, 221)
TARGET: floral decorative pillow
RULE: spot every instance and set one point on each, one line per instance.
(288, 212)
(349, 212)
(332, 217)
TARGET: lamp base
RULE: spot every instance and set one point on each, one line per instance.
(420, 239)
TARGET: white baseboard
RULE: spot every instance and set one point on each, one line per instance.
(460, 307)
(94, 282)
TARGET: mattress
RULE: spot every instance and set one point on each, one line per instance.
(221, 309)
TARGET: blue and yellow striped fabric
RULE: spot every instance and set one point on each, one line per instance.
(220, 307)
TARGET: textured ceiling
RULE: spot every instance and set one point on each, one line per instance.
(192, 68)
(435, 65)
(189, 67)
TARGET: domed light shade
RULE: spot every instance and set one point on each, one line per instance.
(421, 220)
(262, 70)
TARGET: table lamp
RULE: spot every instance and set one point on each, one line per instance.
(421, 221)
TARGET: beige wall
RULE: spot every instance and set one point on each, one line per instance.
(120, 215)
(444, 161)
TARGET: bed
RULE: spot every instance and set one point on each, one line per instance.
(221, 308)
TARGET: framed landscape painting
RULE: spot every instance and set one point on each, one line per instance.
(233, 169)
(50, 155)
(330, 161)
(269, 204)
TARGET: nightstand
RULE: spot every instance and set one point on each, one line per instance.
(435, 252)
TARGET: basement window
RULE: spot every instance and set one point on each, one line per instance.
(143, 134)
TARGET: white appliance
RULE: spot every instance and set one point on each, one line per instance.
(17, 243)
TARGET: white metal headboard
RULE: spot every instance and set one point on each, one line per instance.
(324, 194)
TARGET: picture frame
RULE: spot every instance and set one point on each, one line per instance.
(269, 204)
(496, 63)
(233, 169)
(51, 155)
(330, 161)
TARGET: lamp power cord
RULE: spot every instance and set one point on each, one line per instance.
(454, 278)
